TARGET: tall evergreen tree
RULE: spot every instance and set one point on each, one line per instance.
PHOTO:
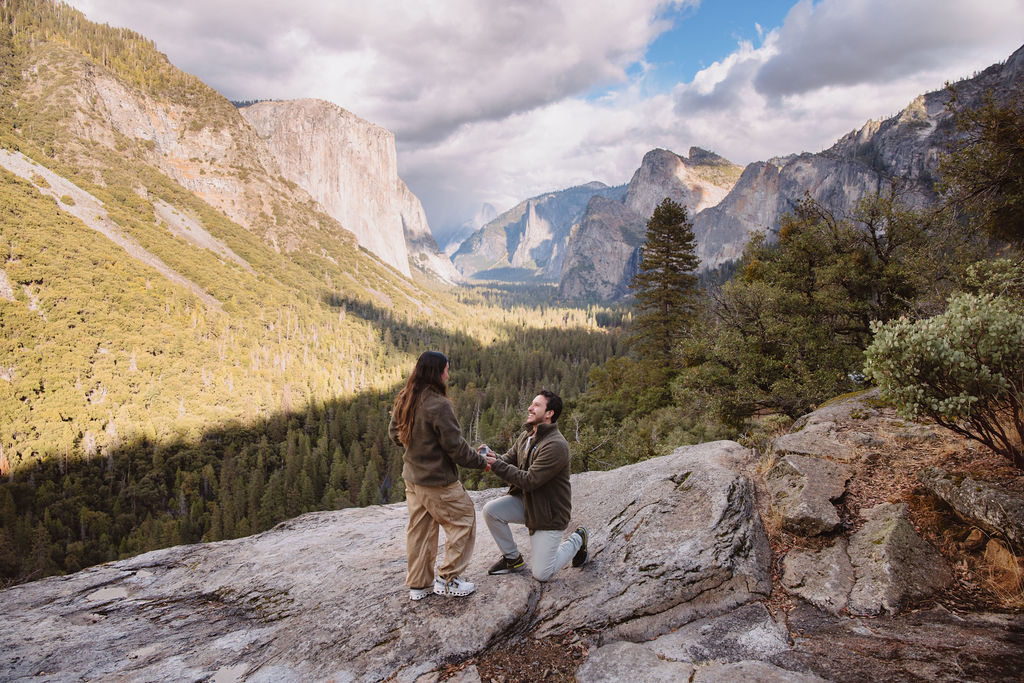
(666, 289)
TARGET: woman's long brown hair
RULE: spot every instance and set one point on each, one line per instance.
(427, 373)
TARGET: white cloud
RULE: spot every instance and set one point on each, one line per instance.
(489, 100)
(421, 69)
(836, 64)
(853, 42)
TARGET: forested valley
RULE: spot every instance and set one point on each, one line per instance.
(69, 511)
(137, 417)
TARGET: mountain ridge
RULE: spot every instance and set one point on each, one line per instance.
(904, 147)
(530, 236)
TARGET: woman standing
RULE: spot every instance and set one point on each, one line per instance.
(423, 423)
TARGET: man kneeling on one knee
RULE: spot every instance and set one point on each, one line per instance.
(539, 496)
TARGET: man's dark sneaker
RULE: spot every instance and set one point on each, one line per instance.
(581, 555)
(507, 566)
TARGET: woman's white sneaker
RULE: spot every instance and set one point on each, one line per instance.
(420, 593)
(457, 587)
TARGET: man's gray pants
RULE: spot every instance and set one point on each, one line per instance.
(548, 552)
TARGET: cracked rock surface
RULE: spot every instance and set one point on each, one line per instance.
(321, 597)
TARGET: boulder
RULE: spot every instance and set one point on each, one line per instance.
(746, 633)
(321, 597)
(818, 434)
(625, 661)
(803, 488)
(666, 549)
(999, 512)
(823, 577)
(892, 564)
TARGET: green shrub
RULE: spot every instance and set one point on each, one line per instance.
(963, 368)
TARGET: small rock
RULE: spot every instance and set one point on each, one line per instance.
(749, 632)
(803, 489)
(864, 440)
(974, 541)
(997, 511)
(468, 675)
(916, 434)
(751, 672)
(1000, 557)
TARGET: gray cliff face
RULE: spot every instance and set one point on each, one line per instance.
(666, 174)
(419, 241)
(602, 255)
(905, 147)
(349, 166)
(345, 163)
(722, 230)
(603, 252)
(530, 237)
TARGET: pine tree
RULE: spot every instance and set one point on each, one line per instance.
(983, 175)
(666, 289)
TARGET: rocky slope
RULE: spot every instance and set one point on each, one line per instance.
(682, 585)
(905, 147)
(322, 598)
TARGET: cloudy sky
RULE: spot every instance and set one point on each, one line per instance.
(495, 101)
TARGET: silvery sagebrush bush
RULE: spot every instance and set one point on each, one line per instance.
(963, 368)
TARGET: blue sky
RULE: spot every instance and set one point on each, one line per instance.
(495, 101)
(708, 33)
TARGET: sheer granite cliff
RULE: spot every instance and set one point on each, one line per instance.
(350, 167)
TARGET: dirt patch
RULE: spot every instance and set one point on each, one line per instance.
(525, 660)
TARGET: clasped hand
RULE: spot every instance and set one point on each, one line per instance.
(488, 454)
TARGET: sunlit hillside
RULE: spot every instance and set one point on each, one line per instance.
(169, 373)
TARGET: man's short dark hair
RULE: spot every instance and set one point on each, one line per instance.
(554, 403)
